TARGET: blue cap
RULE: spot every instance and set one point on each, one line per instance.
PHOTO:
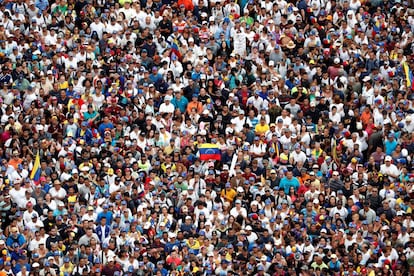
(66, 260)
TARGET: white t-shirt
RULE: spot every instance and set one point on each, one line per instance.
(164, 108)
(298, 157)
(238, 122)
(18, 197)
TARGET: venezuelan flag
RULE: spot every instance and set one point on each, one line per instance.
(35, 174)
(408, 74)
(209, 152)
(175, 49)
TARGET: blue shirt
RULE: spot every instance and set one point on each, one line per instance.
(287, 183)
(42, 4)
(104, 126)
(155, 78)
(108, 215)
(180, 104)
(390, 146)
(17, 239)
(306, 214)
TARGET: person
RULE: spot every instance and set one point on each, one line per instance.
(289, 181)
(200, 137)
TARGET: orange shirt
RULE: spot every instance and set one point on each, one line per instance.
(15, 162)
(365, 117)
(197, 105)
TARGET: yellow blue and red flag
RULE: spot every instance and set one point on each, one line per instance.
(209, 152)
(35, 174)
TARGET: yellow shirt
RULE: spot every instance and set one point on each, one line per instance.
(164, 169)
(261, 129)
(168, 150)
(195, 245)
(68, 269)
(64, 85)
(228, 195)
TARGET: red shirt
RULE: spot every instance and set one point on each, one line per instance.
(176, 261)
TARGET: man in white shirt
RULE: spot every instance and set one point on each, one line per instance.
(287, 120)
(57, 192)
(167, 106)
(389, 169)
(251, 236)
(408, 124)
(298, 155)
(113, 26)
(339, 209)
(239, 122)
(98, 27)
(367, 89)
(238, 210)
(256, 100)
(386, 192)
(17, 194)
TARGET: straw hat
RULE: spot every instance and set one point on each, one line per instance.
(291, 45)
(284, 40)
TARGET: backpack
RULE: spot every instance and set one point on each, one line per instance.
(17, 8)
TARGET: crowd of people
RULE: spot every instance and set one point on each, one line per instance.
(222, 137)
